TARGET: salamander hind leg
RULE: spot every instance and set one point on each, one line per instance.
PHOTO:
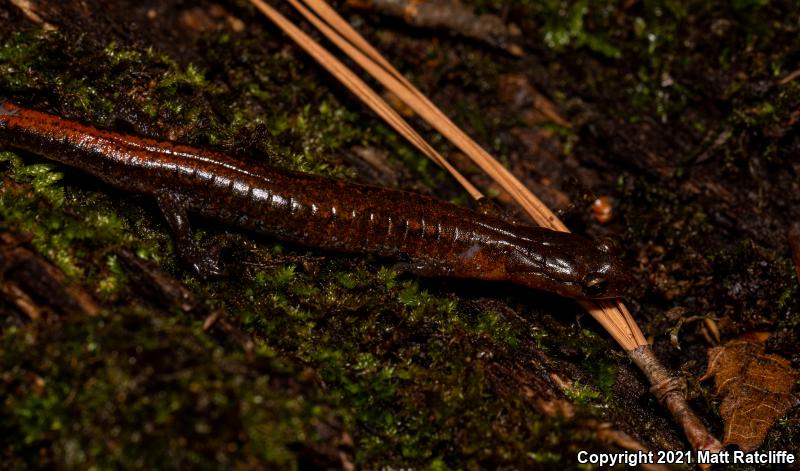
(202, 262)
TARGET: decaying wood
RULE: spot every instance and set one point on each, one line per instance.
(608, 434)
(449, 15)
(18, 297)
(533, 107)
(541, 382)
(34, 285)
(153, 284)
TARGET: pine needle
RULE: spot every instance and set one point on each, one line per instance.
(433, 116)
(612, 315)
(363, 91)
(615, 318)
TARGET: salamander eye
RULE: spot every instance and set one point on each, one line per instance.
(607, 245)
(595, 285)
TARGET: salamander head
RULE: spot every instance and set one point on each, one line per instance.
(571, 266)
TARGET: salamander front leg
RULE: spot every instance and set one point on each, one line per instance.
(174, 209)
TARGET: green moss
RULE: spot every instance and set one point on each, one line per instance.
(604, 375)
(97, 393)
(582, 394)
(567, 28)
(31, 200)
(789, 293)
(385, 344)
(112, 280)
(41, 177)
(398, 363)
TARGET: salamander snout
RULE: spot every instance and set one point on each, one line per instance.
(606, 276)
(610, 280)
(573, 266)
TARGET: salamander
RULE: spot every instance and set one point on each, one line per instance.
(432, 238)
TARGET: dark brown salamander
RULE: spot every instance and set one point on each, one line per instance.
(435, 238)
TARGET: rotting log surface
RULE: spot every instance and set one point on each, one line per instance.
(685, 117)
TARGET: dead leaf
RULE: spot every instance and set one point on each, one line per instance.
(755, 388)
